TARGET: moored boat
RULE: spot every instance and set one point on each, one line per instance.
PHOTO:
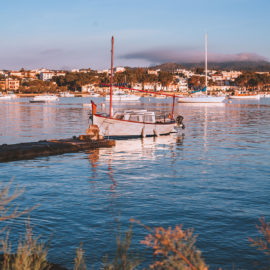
(7, 96)
(245, 96)
(132, 123)
(201, 96)
(44, 99)
(66, 94)
(122, 96)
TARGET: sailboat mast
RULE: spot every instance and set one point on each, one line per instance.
(205, 60)
(111, 78)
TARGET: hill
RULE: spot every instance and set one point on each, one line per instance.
(260, 66)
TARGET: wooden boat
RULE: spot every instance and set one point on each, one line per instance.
(132, 123)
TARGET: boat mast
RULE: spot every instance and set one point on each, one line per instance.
(205, 60)
(111, 79)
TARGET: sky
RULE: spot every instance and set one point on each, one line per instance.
(69, 34)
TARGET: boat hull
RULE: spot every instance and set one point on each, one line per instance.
(206, 99)
(110, 127)
(123, 98)
(246, 97)
(44, 99)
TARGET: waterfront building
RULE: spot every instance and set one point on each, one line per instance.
(87, 88)
(9, 84)
(149, 86)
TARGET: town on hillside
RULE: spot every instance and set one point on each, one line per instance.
(179, 80)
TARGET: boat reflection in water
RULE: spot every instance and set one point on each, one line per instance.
(131, 150)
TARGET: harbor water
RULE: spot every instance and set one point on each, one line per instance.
(213, 177)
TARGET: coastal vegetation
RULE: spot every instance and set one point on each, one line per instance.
(253, 80)
(252, 76)
(171, 248)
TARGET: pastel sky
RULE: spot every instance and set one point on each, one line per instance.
(66, 34)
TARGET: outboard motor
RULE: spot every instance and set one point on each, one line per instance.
(179, 121)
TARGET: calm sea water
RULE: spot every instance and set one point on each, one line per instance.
(215, 178)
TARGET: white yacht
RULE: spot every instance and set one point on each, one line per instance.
(201, 96)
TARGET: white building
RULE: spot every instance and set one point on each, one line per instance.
(187, 73)
(46, 76)
(153, 72)
(87, 88)
(230, 75)
(182, 84)
(119, 69)
(217, 77)
(107, 71)
(60, 73)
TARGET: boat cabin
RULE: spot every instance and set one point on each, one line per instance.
(142, 116)
(136, 115)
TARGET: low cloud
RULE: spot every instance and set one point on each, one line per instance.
(171, 55)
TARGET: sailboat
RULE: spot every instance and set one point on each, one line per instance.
(201, 95)
(133, 123)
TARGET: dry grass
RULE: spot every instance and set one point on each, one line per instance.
(123, 259)
(80, 260)
(173, 248)
(8, 209)
(262, 243)
(30, 254)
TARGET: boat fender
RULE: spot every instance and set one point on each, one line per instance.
(155, 133)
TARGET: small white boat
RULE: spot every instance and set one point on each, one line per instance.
(66, 94)
(94, 94)
(245, 96)
(122, 96)
(201, 98)
(161, 97)
(44, 99)
(7, 96)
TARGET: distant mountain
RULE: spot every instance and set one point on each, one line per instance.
(260, 66)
